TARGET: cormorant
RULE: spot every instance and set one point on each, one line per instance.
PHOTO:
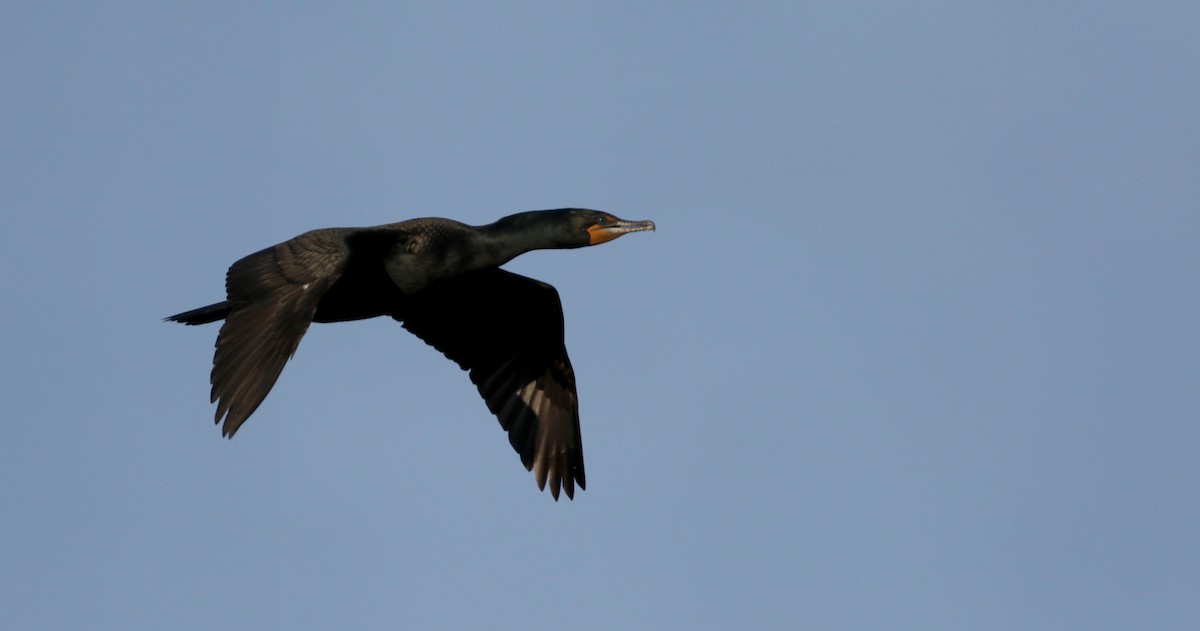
(441, 279)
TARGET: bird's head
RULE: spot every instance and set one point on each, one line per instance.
(602, 227)
(565, 228)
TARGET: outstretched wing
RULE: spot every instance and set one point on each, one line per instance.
(272, 296)
(507, 330)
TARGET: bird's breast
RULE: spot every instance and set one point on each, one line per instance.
(438, 252)
(414, 271)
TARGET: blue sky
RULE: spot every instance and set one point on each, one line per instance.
(915, 345)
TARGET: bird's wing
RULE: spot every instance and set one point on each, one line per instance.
(272, 295)
(507, 330)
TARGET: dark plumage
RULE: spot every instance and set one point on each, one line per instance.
(439, 278)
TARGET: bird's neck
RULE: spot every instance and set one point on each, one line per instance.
(503, 241)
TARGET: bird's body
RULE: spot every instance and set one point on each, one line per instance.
(439, 278)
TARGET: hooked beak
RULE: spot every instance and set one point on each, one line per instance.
(609, 230)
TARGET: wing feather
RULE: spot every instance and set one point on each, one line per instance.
(507, 331)
(273, 295)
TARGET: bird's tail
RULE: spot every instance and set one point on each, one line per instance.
(203, 315)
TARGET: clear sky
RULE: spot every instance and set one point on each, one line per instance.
(916, 344)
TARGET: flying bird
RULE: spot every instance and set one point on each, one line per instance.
(442, 281)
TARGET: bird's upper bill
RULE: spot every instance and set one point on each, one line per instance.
(610, 228)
